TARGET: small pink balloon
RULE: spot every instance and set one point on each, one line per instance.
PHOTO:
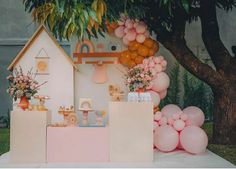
(140, 38)
(163, 121)
(193, 139)
(187, 123)
(157, 116)
(170, 121)
(155, 98)
(169, 110)
(166, 138)
(157, 60)
(163, 94)
(121, 22)
(176, 116)
(183, 116)
(125, 41)
(164, 63)
(140, 28)
(147, 34)
(158, 68)
(130, 35)
(195, 115)
(119, 32)
(129, 23)
(126, 30)
(135, 24)
(179, 125)
(161, 82)
(161, 58)
(155, 124)
(151, 64)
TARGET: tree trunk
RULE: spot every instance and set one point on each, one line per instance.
(224, 114)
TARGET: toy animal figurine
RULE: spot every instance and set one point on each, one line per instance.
(116, 93)
(70, 117)
(41, 100)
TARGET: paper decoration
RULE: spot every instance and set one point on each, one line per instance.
(42, 62)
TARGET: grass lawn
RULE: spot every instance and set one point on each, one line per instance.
(228, 152)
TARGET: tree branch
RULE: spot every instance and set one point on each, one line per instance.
(210, 34)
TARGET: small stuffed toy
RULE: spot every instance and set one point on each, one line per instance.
(116, 93)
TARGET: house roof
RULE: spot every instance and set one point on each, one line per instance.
(41, 29)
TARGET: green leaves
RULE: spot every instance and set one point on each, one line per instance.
(185, 5)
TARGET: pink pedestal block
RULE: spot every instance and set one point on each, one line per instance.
(75, 144)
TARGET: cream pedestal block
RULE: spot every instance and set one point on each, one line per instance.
(28, 136)
(131, 131)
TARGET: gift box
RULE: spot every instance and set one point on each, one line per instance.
(77, 144)
(28, 136)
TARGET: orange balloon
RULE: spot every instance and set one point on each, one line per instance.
(133, 54)
(156, 46)
(133, 45)
(149, 43)
(143, 51)
(131, 63)
(151, 52)
(124, 57)
(139, 59)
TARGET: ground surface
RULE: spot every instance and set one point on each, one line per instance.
(228, 152)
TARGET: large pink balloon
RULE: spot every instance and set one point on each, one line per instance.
(161, 82)
(163, 94)
(155, 98)
(195, 115)
(193, 139)
(170, 109)
(119, 32)
(166, 138)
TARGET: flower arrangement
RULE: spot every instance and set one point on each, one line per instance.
(138, 78)
(21, 85)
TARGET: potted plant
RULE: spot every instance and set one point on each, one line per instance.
(22, 86)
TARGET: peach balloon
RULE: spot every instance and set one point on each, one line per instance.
(147, 34)
(157, 116)
(161, 82)
(166, 138)
(119, 32)
(129, 23)
(195, 115)
(170, 109)
(163, 94)
(155, 98)
(140, 38)
(140, 28)
(194, 139)
(179, 125)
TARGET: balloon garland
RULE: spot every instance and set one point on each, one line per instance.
(136, 37)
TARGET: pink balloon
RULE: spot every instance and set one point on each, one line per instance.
(161, 82)
(119, 32)
(170, 121)
(163, 121)
(155, 98)
(166, 138)
(193, 139)
(126, 30)
(131, 35)
(147, 34)
(140, 28)
(121, 22)
(129, 23)
(158, 68)
(195, 115)
(179, 125)
(157, 60)
(176, 116)
(163, 94)
(155, 124)
(125, 41)
(170, 109)
(157, 116)
(184, 117)
(140, 38)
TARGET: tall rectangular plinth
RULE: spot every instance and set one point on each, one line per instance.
(131, 131)
(77, 144)
(28, 136)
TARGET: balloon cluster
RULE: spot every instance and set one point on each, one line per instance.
(136, 37)
(174, 128)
